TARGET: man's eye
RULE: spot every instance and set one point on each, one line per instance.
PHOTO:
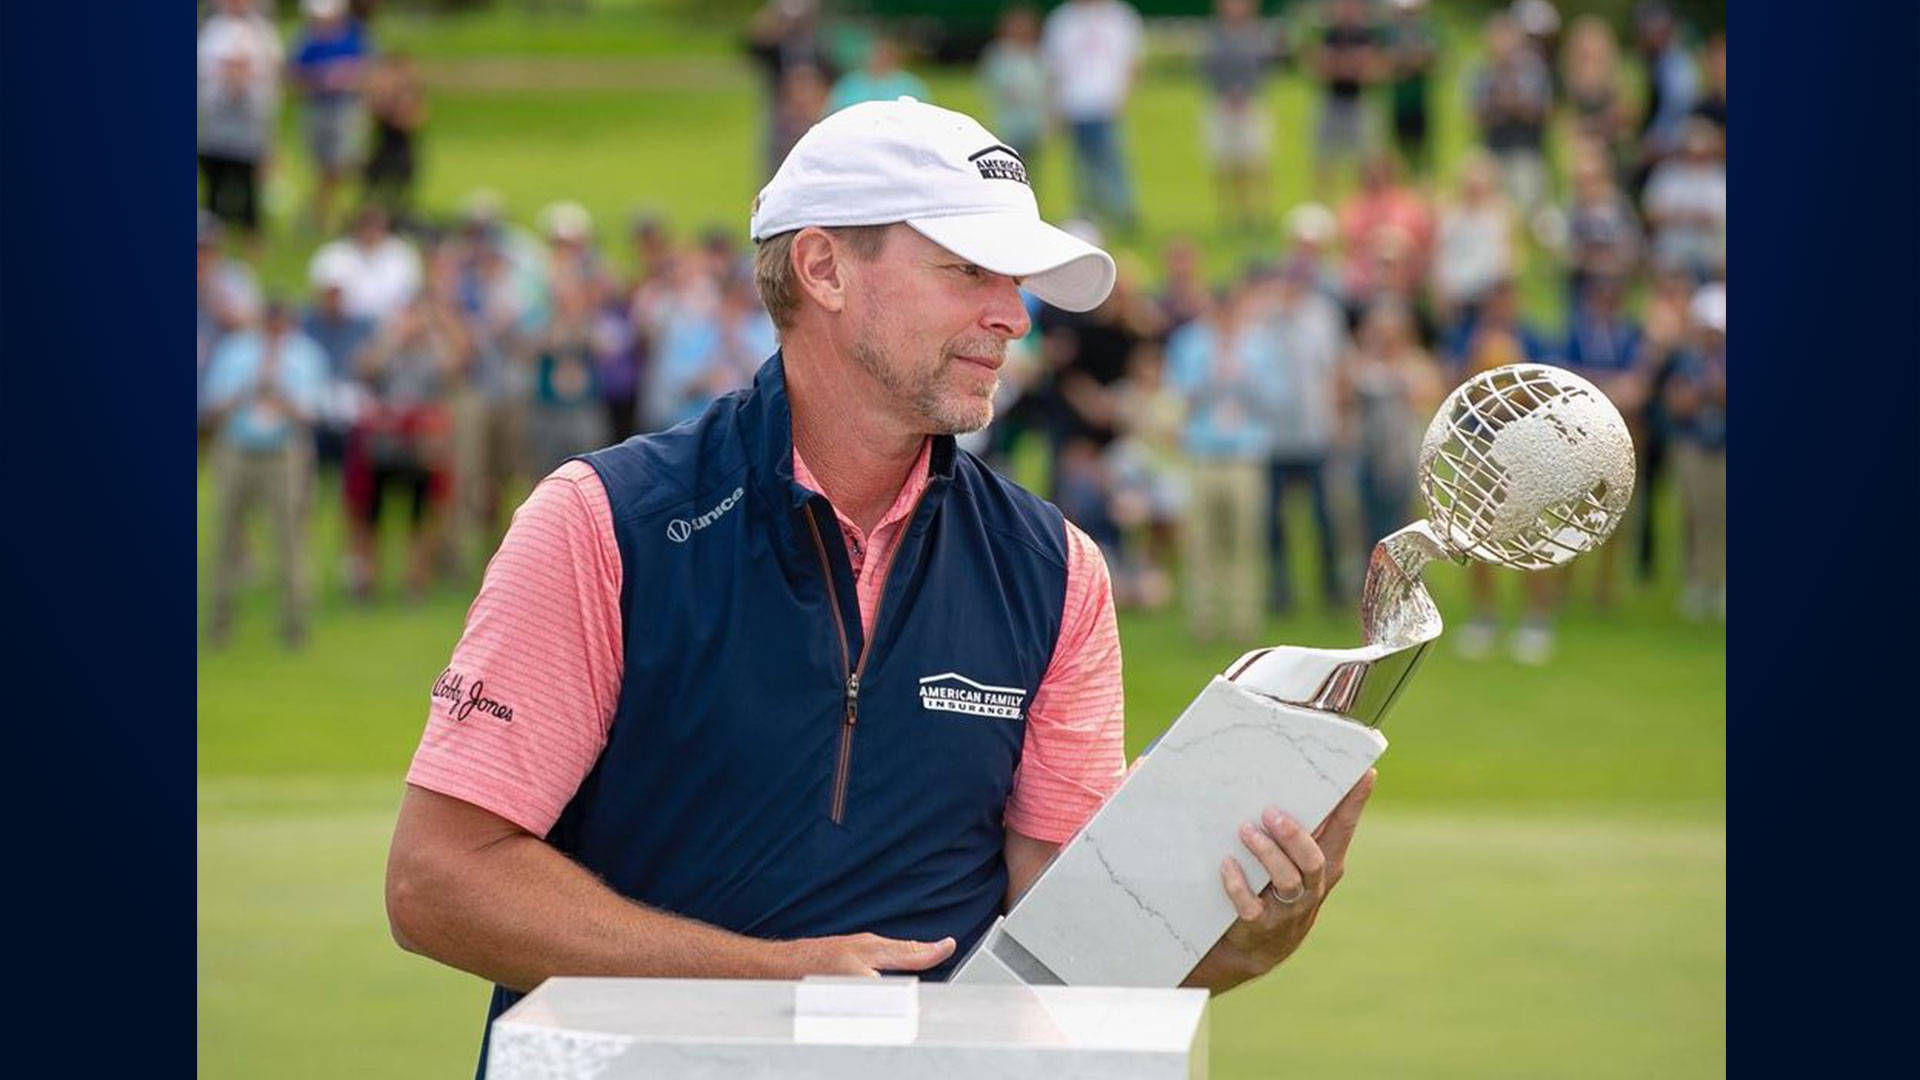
(970, 270)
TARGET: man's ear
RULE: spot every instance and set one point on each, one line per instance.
(820, 266)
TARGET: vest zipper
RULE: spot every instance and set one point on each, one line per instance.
(843, 762)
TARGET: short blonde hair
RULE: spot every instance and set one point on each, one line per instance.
(773, 266)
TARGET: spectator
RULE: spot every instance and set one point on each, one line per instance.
(1604, 346)
(1183, 291)
(240, 25)
(1539, 23)
(239, 105)
(1309, 338)
(1389, 387)
(1382, 204)
(568, 229)
(783, 35)
(567, 416)
(1149, 490)
(1347, 59)
(1088, 354)
(1673, 86)
(329, 65)
(226, 296)
(1092, 48)
(882, 79)
(1668, 308)
(403, 442)
(1512, 92)
(1697, 400)
(1223, 364)
(1013, 80)
(397, 103)
(503, 292)
(1713, 99)
(617, 352)
(1411, 49)
(1495, 336)
(1475, 248)
(1686, 205)
(1590, 73)
(1602, 231)
(263, 392)
(380, 271)
(340, 336)
(801, 102)
(1240, 47)
(1313, 230)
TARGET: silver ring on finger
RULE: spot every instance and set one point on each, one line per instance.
(1291, 898)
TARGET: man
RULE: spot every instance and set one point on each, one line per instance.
(1240, 49)
(1512, 96)
(239, 98)
(263, 391)
(1346, 61)
(1219, 362)
(329, 65)
(684, 731)
(1309, 336)
(380, 272)
(1092, 48)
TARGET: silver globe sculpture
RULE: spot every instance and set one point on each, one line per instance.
(1524, 466)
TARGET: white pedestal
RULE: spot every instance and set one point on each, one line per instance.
(619, 1029)
(1135, 899)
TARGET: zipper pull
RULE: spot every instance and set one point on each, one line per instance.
(853, 695)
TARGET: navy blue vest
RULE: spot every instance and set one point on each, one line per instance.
(770, 770)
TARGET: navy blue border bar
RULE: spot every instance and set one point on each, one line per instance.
(95, 227)
(1822, 671)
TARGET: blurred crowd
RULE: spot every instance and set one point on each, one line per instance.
(1194, 426)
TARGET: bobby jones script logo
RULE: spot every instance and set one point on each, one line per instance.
(463, 700)
(679, 529)
(949, 692)
(998, 162)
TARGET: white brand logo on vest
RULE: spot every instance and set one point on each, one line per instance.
(679, 529)
(950, 692)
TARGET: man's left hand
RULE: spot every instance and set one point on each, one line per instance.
(1304, 868)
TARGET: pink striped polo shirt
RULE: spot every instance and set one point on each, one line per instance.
(544, 633)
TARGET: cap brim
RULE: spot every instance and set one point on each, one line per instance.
(1054, 264)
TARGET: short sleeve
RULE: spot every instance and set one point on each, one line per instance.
(1075, 750)
(522, 711)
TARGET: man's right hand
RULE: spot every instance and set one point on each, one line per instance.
(860, 954)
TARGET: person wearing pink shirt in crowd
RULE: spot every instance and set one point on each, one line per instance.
(629, 766)
(1382, 205)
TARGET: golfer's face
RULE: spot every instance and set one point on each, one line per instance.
(934, 330)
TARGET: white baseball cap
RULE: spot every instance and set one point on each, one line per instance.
(943, 175)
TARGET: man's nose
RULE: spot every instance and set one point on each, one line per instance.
(1006, 313)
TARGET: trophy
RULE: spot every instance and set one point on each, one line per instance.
(1524, 466)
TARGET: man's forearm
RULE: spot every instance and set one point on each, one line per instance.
(519, 911)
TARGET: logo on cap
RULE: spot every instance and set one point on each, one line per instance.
(998, 162)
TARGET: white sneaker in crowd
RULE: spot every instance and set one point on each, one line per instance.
(1476, 639)
(1532, 643)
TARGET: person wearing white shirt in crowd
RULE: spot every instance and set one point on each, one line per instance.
(238, 26)
(1474, 247)
(238, 103)
(1686, 204)
(381, 271)
(1092, 48)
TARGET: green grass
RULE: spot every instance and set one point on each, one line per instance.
(1462, 944)
(1538, 889)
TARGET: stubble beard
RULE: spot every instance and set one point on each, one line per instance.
(939, 414)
